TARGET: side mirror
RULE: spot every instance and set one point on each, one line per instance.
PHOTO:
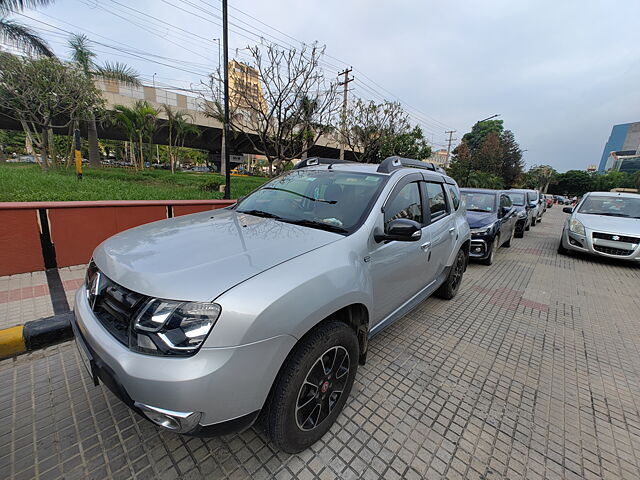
(533, 205)
(504, 211)
(567, 210)
(401, 230)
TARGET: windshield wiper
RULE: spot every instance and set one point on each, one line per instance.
(261, 213)
(332, 202)
(316, 224)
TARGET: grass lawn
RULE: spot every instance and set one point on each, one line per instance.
(27, 183)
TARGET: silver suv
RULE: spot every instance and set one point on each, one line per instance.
(202, 322)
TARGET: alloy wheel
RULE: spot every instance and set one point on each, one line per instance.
(322, 388)
(458, 270)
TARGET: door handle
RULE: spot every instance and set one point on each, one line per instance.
(452, 230)
(425, 246)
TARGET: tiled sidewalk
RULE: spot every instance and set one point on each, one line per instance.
(531, 372)
(27, 296)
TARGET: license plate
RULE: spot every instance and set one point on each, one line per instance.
(87, 361)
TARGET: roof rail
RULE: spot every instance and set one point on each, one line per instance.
(313, 161)
(390, 164)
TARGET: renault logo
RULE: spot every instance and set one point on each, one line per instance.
(615, 237)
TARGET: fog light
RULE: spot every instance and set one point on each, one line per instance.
(180, 422)
(477, 249)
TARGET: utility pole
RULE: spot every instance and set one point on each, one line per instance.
(451, 139)
(224, 158)
(343, 122)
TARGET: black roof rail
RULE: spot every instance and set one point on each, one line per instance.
(313, 161)
(390, 164)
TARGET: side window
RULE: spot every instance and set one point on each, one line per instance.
(406, 204)
(437, 201)
(455, 196)
(505, 201)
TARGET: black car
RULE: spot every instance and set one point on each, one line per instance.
(492, 219)
(524, 211)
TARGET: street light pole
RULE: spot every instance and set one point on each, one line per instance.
(225, 127)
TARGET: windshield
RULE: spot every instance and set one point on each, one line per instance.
(326, 199)
(611, 206)
(517, 199)
(479, 202)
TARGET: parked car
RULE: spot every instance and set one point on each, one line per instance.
(203, 321)
(492, 219)
(549, 200)
(605, 224)
(524, 212)
(542, 203)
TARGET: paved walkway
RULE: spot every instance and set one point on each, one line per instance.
(27, 296)
(532, 371)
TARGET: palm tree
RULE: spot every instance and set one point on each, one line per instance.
(146, 117)
(21, 35)
(83, 57)
(179, 124)
(125, 118)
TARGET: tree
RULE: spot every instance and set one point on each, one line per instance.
(21, 35)
(411, 144)
(512, 164)
(476, 137)
(488, 156)
(125, 118)
(372, 127)
(573, 183)
(43, 94)
(540, 177)
(274, 114)
(613, 179)
(83, 56)
(461, 165)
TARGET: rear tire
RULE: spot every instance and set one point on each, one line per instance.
(533, 222)
(451, 285)
(307, 397)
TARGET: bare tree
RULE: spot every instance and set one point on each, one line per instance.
(370, 126)
(281, 101)
(43, 94)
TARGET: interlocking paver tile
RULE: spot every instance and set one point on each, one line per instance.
(533, 372)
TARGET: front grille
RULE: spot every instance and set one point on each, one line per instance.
(619, 238)
(612, 251)
(113, 304)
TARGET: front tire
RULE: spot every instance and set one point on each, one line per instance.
(561, 248)
(507, 244)
(492, 251)
(451, 285)
(313, 387)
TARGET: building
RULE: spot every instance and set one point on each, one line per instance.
(623, 161)
(439, 157)
(624, 138)
(245, 88)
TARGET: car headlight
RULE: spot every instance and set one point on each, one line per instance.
(165, 327)
(522, 214)
(576, 226)
(482, 230)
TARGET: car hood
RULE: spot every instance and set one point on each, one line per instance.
(480, 219)
(197, 257)
(621, 225)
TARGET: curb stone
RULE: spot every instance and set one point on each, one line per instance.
(35, 335)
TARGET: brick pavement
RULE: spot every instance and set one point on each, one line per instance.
(532, 371)
(26, 296)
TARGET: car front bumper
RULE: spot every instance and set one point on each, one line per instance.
(480, 247)
(596, 246)
(215, 391)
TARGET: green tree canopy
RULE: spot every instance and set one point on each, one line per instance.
(476, 137)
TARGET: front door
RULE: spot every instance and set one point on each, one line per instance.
(399, 269)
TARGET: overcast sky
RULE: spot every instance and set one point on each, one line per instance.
(560, 73)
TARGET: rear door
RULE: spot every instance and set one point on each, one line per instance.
(442, 226)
